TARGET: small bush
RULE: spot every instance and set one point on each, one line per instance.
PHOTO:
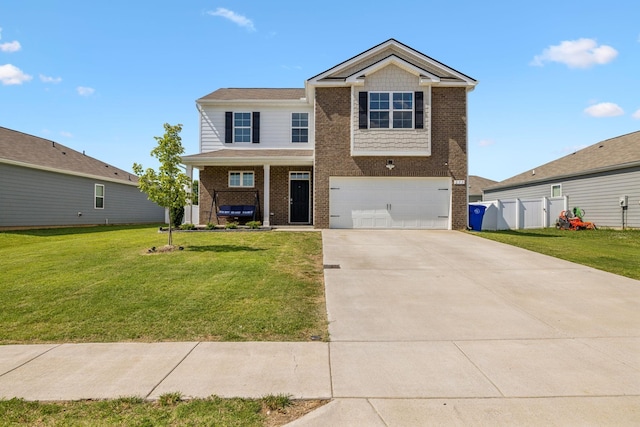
(187, 226)
(254, 224)
(231, 225)
(210, 226)
(177, 214)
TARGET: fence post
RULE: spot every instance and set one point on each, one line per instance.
(545, 212)
(518, 213)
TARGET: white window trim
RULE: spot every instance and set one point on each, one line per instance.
(241, 179)
(391, 110)
(95, 196)
(299, 127)
(250, 127)
(556, 185)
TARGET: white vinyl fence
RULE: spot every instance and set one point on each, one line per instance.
(516, 214)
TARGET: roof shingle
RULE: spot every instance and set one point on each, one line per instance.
(43, 153)
(608, 154)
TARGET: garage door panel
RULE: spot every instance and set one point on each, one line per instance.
(375, 202)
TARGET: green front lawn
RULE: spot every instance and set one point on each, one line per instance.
(100, 284)
(614, 251)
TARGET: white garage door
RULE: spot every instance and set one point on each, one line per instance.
(374, 202)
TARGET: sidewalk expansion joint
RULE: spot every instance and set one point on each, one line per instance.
(171, 371)
(30, 360)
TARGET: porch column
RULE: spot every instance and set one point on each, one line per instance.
(265, 199)
(189, 208)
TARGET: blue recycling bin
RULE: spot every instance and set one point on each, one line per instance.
(476, 213)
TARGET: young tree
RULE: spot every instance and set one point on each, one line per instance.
(168, 186)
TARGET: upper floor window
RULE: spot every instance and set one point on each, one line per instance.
(391, 110)
(556, 190)
(99, 196)
(241, 179)
(241, 127)
(300, 127)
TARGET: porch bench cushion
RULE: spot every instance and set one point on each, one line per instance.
(236, 210)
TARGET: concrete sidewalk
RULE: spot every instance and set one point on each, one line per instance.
(427, 328)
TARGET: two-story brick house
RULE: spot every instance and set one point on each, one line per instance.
(377, 141)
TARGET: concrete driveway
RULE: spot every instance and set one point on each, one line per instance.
(447, 328)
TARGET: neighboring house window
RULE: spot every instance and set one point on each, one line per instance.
(242, 127)
(556, 190)
(300, 127)
(391, 110)
(241, 179)
(99, 196)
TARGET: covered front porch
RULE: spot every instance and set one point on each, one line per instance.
(279, 182)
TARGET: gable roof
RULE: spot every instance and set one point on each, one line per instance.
(255, 94)
(429, 70)
(25, 150)
(478, 183)
(611, 154)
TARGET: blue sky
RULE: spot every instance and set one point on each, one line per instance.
(103, 77)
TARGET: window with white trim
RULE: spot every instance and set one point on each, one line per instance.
(391, 110)
(299, 127)
(556, 190)
(98, 196)
(241, 179)
(241, 127)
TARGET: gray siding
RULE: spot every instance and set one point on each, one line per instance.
(597, 194)
(32, 197)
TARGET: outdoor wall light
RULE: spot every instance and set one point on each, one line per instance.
(390, 164)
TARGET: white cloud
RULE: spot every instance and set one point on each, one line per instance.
(66, 134)
(636, 115)
(47, 79)
(581, 53)
(9, 47)
(12, 75)
(486, 143)
(240, 20)
(604, 109)
(85, 91)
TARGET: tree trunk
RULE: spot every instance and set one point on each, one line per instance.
(170, 225)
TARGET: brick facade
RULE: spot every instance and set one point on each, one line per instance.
(333, 152)
(217, 178)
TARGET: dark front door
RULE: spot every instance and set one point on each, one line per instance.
(299, 202)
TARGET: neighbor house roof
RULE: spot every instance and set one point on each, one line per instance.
(615, 153)
(255, 94)
(478, 183)
(25, 150)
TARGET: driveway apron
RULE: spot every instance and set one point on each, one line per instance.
(444, 327)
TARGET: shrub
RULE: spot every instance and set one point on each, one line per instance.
(177, 215)
(187, 226)
(254, 224)
(231, 225)
(210, 226)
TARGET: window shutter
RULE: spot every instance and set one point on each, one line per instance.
(255, 131)
(419, 112)
(228, 127)
(363, 100)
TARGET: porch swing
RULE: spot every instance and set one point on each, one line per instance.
(247, 212)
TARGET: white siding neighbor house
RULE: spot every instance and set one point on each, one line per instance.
(44, 183)
(602, 179)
